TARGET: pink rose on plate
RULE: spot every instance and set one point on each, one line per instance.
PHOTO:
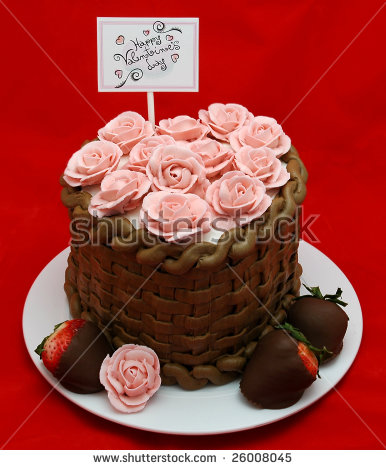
(175, 217)
(126, 130)
(183, 128)
(225, 118)
(261, 131)
(263, 164)
(141, 152)
(121, 191)
(91, 163)
(131, 377)
(216, 157)
(236, 199)
(176, 169)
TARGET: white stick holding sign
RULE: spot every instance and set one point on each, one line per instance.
(150, 107)
(148, 54)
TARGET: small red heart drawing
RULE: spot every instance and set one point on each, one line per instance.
(146, 32)
(119, 73)
(120, 40)
(174, 57)
(169, 38)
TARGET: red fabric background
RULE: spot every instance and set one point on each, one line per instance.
(263, 54)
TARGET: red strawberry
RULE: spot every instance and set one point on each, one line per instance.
(53, 346)
(74, 353)
(308, 358)
(279, 371)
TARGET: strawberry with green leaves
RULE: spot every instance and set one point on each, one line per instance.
(73, 353)
(279, 370)
(321, 319)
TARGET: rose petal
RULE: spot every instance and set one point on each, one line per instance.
(175, 216)
(91, 163)
(126, 130)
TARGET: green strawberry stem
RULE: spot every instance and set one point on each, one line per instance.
(321, 354)
(316, 292)
(39, 350)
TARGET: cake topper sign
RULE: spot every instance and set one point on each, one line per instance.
(147, 54)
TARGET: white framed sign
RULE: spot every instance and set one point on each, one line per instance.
(147, 54)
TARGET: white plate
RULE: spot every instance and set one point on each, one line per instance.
(211, 410)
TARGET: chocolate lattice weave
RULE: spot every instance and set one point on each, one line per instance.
(201, 307)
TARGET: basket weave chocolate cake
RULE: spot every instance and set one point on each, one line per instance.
(185, 237)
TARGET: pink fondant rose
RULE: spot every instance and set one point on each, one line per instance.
(225, 118)
(175, 217)
(131, 376)
(121, 191)
(236, 199)
(263, 164)
(216, 157)
(262, 131)
(183, 128)
(90, 164)
(126, 130)
(177, 169)
(141, 152)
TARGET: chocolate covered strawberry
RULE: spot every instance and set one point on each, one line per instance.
(279, 371)
(321, 320)
(73, 353)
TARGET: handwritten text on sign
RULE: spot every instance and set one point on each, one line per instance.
(148, 54)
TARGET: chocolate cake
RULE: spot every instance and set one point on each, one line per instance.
(199, 294)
